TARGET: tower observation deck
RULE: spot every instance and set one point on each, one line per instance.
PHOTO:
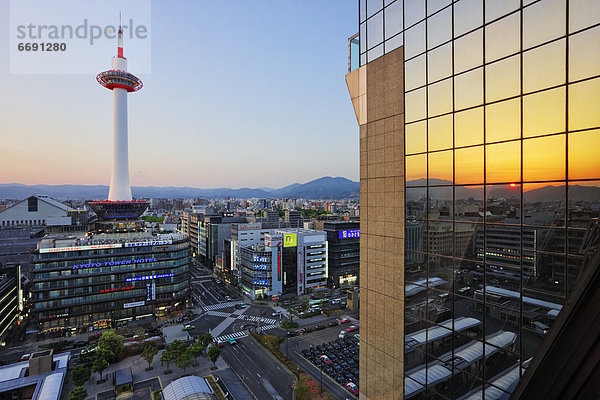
(119, 205)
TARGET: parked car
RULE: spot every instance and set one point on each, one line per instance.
(292, 333)
(344, 320)
(352, 387)
(24, 357)
(351, 328)
(342, 334)
(80, 343)
(325, 359)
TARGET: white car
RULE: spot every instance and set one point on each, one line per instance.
(276, 313)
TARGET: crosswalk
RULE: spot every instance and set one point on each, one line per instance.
(212, 307)
(253, 318)
(242, 334)
(219, 314)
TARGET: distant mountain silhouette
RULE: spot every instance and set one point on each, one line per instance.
(322, 188)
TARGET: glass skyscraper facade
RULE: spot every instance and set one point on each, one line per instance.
(501, 121)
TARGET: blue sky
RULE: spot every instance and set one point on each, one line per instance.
(241, 93)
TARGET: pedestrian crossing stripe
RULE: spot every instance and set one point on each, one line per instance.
(253, 318)
(218, 314)
(213, 307)
(242, 334)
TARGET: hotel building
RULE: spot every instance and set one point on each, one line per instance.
(479, 130)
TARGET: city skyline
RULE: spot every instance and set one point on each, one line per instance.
(284, 97)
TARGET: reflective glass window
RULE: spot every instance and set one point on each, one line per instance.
(415, 105)
(439, 99)
(584, 57)
(414, 11)
(503, 120)
(468, 51)
(416, 137)
(468, 127)
(503, 162)
(416, 169)
(363, 39)
(544, 112)
(440, 133)
(393, 19)
(469, 89)
(375, 52)
(584, 98)
(436, 5)
(583, 13)
(415, 72)
(502, 38)
(503, 79)
(468, 15)
(440, 167)
(496, 9)
(439, 63)
(414, 40)
(441, 206)
(468, 163)
(544, 66)
(544, 206)
(503, 206)
(373, 6)
(394, 43)
(363, 10)
(375, 30)
(543, 21)
(584, 162)
(469, 202)
(544, 158)
(439, 28)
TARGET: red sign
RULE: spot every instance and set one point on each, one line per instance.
(117, 289)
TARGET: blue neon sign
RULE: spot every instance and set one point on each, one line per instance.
(143, 278)
(351, 233)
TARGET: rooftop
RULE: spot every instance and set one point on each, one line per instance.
(48, 386)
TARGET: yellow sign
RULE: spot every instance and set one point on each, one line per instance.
(290, 240)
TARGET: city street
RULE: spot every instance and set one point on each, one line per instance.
(260, 372)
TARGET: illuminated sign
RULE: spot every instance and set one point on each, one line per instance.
(290, 240)
(135, 304)
(348, 234)
(113, 263)
(261, 258)
(247, 227)
(143, 278)
(273, 240)
(117, 289)
(149, 243)
(263, 267)
(278, 264)
(261, 282)
(77, 248)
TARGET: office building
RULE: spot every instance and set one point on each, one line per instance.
(290, 262)
(343, 241)
(293, 219)
(11, 299)
(479, 175)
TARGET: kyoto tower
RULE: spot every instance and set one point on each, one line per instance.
(119, 205)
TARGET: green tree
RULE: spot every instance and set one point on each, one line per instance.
(177, 347)
(80, 375)
(196, 349)
(149, 352)
(99, 365)
(113, 343)
(213, 354)
(305, 303)
(291, 312)
(184, 360)
(78, 393)
(205, 340)
(140, 333)
(167, 356)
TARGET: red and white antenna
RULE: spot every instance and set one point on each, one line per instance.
(120, 48)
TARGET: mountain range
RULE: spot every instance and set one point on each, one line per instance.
(322, 188)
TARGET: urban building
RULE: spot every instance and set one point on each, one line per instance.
(293, 219)
(290, 262)
(212, 233)
(39, 211)
(40, 378)
(479, 176)
(343, 238)
(117, 271)
(11, 300)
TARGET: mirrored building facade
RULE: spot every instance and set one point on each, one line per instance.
(493, 107)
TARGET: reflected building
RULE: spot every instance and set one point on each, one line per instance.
(479, 176)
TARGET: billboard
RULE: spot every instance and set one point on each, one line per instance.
(290, 240)
(351, 233)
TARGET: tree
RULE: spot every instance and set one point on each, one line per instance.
(140, 333)
(113, 343)
(78, 393)
(205, 340)
(99, 365)
(149, 352)
(305, 303)
(167, 356)
(177, 347)
(291, 311)
(184, 360)
(213, 354)
(80, 375)
(196, 349)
